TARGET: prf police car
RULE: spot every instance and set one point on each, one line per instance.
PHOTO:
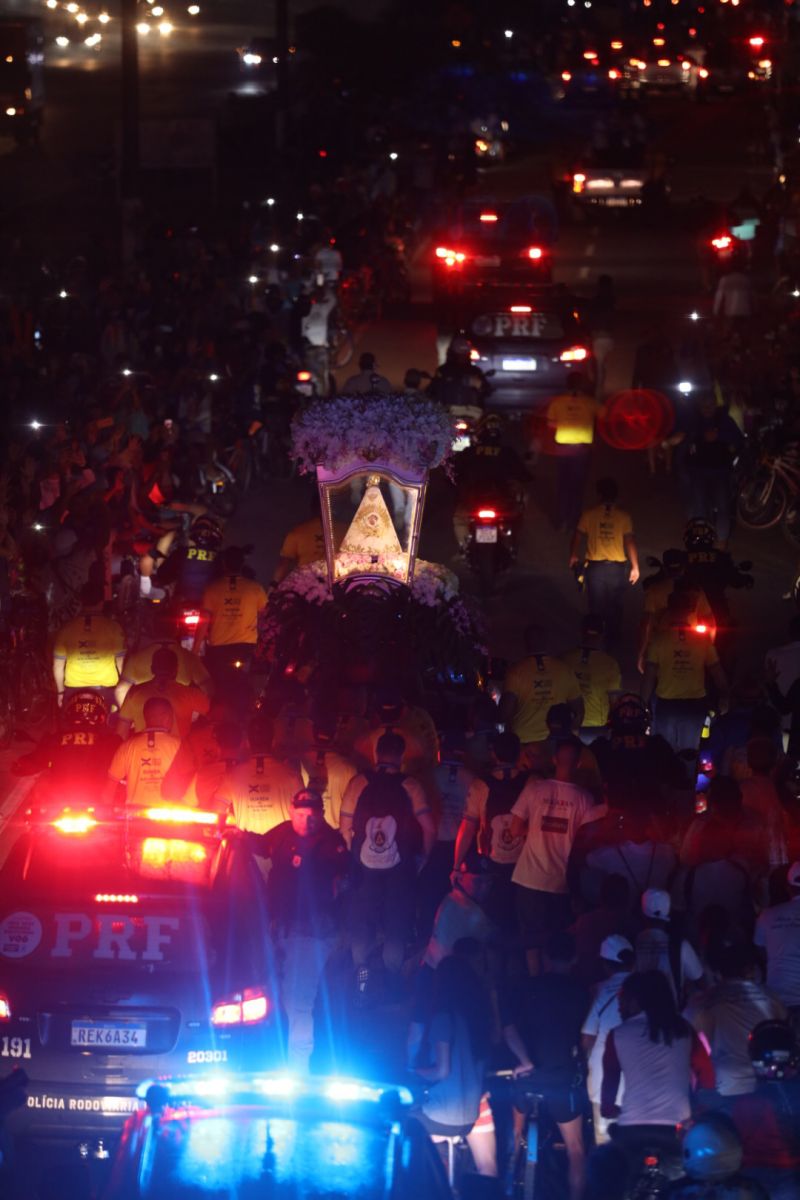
(131, 944)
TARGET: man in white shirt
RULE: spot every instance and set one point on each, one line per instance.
(617, 958)
(658, 949)
(328, 261)
(549, 812)
(778, 935)
(315, 328)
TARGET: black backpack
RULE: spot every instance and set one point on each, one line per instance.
(385, 796)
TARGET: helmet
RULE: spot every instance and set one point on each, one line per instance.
(459, 347)
(490, 427)
(712, 1149)
(773, 1050)
(206, 533)
(629, 713)
(85, 709)
(699, 535)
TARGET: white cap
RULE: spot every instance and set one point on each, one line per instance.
(614, 946)
(656, 904)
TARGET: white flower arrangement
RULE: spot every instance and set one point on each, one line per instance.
(432, 585)
(412, 432)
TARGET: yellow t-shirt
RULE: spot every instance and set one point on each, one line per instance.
(305, 543)
(234, 604)
(418, 730)
(538, 683)
(90, 645)
(139, 666)
(144, 761)
(573, 418)
(597, 674)
(259, 792)
(185, 701)
(681, 658)
(606, 527)
(328, 772)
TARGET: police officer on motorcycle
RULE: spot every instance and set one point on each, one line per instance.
(458, 383)
(74, 761)
(487, 470)
(192, 568)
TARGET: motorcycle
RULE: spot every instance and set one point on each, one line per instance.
(217, 487)
(493, 535)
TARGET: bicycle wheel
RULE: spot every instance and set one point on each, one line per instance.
(761, 501)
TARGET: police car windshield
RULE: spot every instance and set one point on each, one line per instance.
(245, 1157)
(528, 323)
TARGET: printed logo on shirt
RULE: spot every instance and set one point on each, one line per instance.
(504, 847)
(551, 824)
(379, 850)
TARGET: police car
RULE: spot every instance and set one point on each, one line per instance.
(131, 944)
(494, 243)
(273, 1135)
(529, 347)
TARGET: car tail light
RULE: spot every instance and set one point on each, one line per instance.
(75, 823)
(616, 45)
(574, 354)
(723, 242)
(663, 62)
(489, 218)
(243, 1008)
(116, 898)
(659, 42)
(613, 73)
(520, 308)
(589, 55)
(686, 66)
(487, 514)
(578, 181)
(176, 815)
(566, 76)
(703, 73)
(5, 1007)
(535, 252)
(158, 852)
(304, 377)
(756, 42)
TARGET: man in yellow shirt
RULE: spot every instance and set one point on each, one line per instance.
(186, 702)
(138, 666)
(324, 769)
(571, 419)
(655, 616)
(532, 686)
(232, 605)
(597, 673)
(679, 660)
(89, 650)
(260, 789)
(304, 544)
(143, 761)
(611, 556)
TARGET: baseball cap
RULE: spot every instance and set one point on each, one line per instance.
(614, 947)
(306, 798)
(656, 903)
(793, 874)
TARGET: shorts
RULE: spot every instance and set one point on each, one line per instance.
(563, 1094)
(484, 1123)
(541, 913)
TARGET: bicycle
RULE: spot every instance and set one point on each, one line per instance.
(527, 1100)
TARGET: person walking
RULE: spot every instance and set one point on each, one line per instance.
(233, 604)
(186, 701)
(616, 960)
(143, 761)
(598, 675)
(309, 861)
(611, 557)
(531, 687)
(571, 417)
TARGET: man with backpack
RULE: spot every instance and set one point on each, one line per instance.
(387, 823)
(487, 822)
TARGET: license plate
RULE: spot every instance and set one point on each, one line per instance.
(620, 201)
(519, 364)
(108, 1034)
(487, 260)
(486, 533)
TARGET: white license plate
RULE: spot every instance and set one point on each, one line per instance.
(618, 202)
(108, 1034)
(519, 364)
(486, 533)
(487, 260)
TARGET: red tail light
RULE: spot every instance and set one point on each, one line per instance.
(489, 218)
(487, 514)
(613, 73)
(474, 355)
(5, 1007)
(75, 823)
(723, 242)
(701, 628)
(191, 618)
(756, 42)
(243, 1008)
(304, 377)
(566, 76)
(574, 354)
(520, 308)
(450, 257)
(535, 252)
(703, 73)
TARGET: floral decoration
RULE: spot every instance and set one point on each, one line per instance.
(414, 433)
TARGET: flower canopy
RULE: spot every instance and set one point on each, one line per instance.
(412, 433)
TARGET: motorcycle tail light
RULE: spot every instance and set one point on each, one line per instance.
(489, 218)
(191, 618)
(487, 514)
(574, 354)
(723, 242)
(474, 355)
(535, 253)
(303, 376)
(578, 181)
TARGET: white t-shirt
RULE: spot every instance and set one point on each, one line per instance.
(314, 325)
(604, 1015)
(554, 812)
(778, 932)
(328, 261)
(657, 1077)
(458, 916)
(726, 1015)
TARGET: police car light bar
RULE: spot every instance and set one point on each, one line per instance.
(336, 1090)
(75, 823)
(181, 816)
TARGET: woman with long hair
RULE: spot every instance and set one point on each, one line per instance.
(454, 1054)
(654, 1053)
